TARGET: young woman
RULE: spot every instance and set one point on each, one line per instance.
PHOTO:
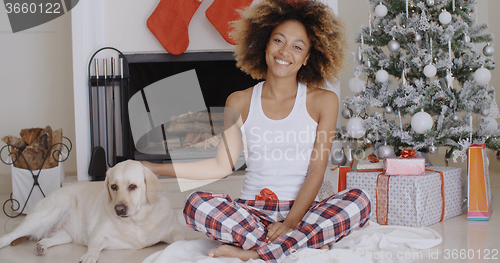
(286, 125)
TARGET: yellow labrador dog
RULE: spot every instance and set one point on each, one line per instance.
(126, 212)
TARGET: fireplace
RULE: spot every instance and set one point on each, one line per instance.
(217, 77)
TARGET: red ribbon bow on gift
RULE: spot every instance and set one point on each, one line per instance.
(266, 194)
(408, 153)
(373, 159)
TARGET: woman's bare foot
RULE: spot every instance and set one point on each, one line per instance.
(233, 252)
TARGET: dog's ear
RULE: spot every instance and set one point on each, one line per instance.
(106, 184)
(153, 186)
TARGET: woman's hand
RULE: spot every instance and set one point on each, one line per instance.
(150, 166)
(276, 230)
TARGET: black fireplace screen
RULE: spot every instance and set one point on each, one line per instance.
(204, 81)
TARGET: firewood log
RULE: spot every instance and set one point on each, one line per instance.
(30, 135)
(36, 153)
(55, 149)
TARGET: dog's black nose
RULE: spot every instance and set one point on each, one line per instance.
(121, 210)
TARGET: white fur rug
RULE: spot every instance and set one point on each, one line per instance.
(372, 243)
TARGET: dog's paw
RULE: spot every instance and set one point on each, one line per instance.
(88, 259)
(40, 249)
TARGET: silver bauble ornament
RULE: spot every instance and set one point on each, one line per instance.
(430, 2)
(455, 118)
(393, 46)
(385, 151)
(488, 50)
(347, 113)
(418, 38)
(388, 110)
(485, 112)
(432, 149)
(338, 157)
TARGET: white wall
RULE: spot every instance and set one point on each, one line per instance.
(36, 82)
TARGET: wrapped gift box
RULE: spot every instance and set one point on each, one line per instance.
(411, 200)
(334, 181)
(404, 166)
(368, 166)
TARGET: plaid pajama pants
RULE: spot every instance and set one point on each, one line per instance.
(243, 223)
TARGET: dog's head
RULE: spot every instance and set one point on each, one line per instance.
(131, 185)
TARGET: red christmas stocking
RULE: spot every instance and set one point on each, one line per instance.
(169, 23)
(221, 12)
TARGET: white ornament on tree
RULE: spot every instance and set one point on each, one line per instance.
(482, 76)
(356, 127)
(490, 123)
(421, 122)
(382, 76)
(430, 71)
(424, 22)
(485, 112)
(357, 85)
(393, 46)
(445, 17)
(381, 10)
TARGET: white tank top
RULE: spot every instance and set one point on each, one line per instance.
(277, 152)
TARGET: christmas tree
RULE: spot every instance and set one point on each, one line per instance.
(421, 81)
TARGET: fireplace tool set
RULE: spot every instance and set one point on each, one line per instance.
(107, 93)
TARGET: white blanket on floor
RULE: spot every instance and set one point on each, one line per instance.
(372, 243)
